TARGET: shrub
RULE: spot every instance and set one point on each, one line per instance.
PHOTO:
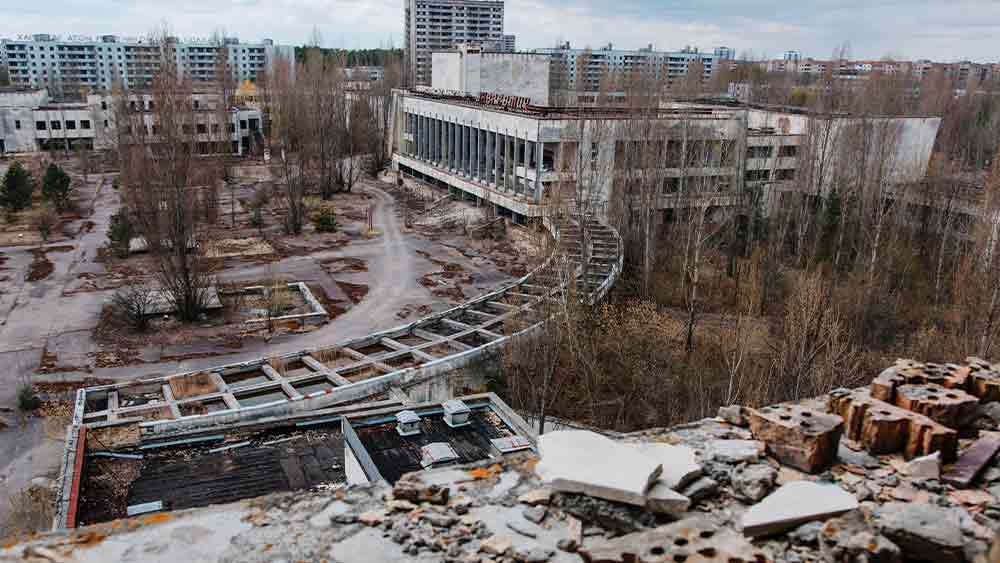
(44, 220)
(133, 304)
(120, 233)
(115, 184)
(27, 399)
(57, 186)
(18, 185)
(325, 220)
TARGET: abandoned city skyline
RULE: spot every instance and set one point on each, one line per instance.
(910, 30)
(486, 298)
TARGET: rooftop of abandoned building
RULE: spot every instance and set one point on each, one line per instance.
(905, 469)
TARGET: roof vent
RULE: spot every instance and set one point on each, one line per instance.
(511, 444)
(456, 413)
(407, 423)
(437, 454)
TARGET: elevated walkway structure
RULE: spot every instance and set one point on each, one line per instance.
(407, 362)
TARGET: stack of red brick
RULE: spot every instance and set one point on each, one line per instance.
(911, 408)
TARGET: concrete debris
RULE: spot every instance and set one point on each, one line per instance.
(535, 514)
(702, 488)
(926, 467)
(924, 532)
(802, 437)
(497, 545)
(693, 539)
(849, 538)
(859, 505)
(414, 490)
(977, 456)
(578, 461)
(679, 465)
(734, 451)
(806, 533)
(858, 458)
(536, 497)
(796, 503)
(733, 414)
(661, 499)
(753, 482)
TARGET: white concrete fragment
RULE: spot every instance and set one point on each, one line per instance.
(664, 500)
(734, 451)
(679, 465)
(578, 461)
(926, 467)
(796, 503)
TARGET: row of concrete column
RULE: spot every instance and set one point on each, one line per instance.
(490, 157)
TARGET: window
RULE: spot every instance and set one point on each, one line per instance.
(759, 152)
(56, 126)
(104, 105)
(243, 124)
(202, 129)
(215, 128)
(232, 128)
(84, 124)
(17, 124)
(70, 124)
(197, 104)
(788, 151)
(105, 122)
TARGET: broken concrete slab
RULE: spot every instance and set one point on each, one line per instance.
(734, 451)
(662, 499)
(703, 487)
(578, 461)
(855, 457)
(796, 503)
(753, 482)
(798, 436)
(925, 467)
(692, 539)
(679, 465)
(924, 532)
(972, 461)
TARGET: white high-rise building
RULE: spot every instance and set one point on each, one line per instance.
(441, 25)
(47, 61)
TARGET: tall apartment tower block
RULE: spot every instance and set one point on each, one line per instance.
(441, 25)
(47, 61)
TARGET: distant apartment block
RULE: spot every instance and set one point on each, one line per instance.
(46, 61)
(793, 62)
(364, 73)
(508, 44)
(584, 68)
(441, 25)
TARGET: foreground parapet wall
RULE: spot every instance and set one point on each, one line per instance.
(719, 489)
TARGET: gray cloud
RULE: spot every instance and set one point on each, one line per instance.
(952, 30)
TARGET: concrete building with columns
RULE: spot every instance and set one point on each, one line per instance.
(491, 131)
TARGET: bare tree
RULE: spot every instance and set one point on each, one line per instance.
(163, 182)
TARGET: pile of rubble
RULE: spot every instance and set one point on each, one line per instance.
(905, 470)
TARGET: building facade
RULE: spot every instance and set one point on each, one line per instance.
(46, 61)
(440, 25)
(477, 136)
(31, 121)
(586, 67)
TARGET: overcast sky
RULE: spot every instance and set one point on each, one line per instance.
(944, 30)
